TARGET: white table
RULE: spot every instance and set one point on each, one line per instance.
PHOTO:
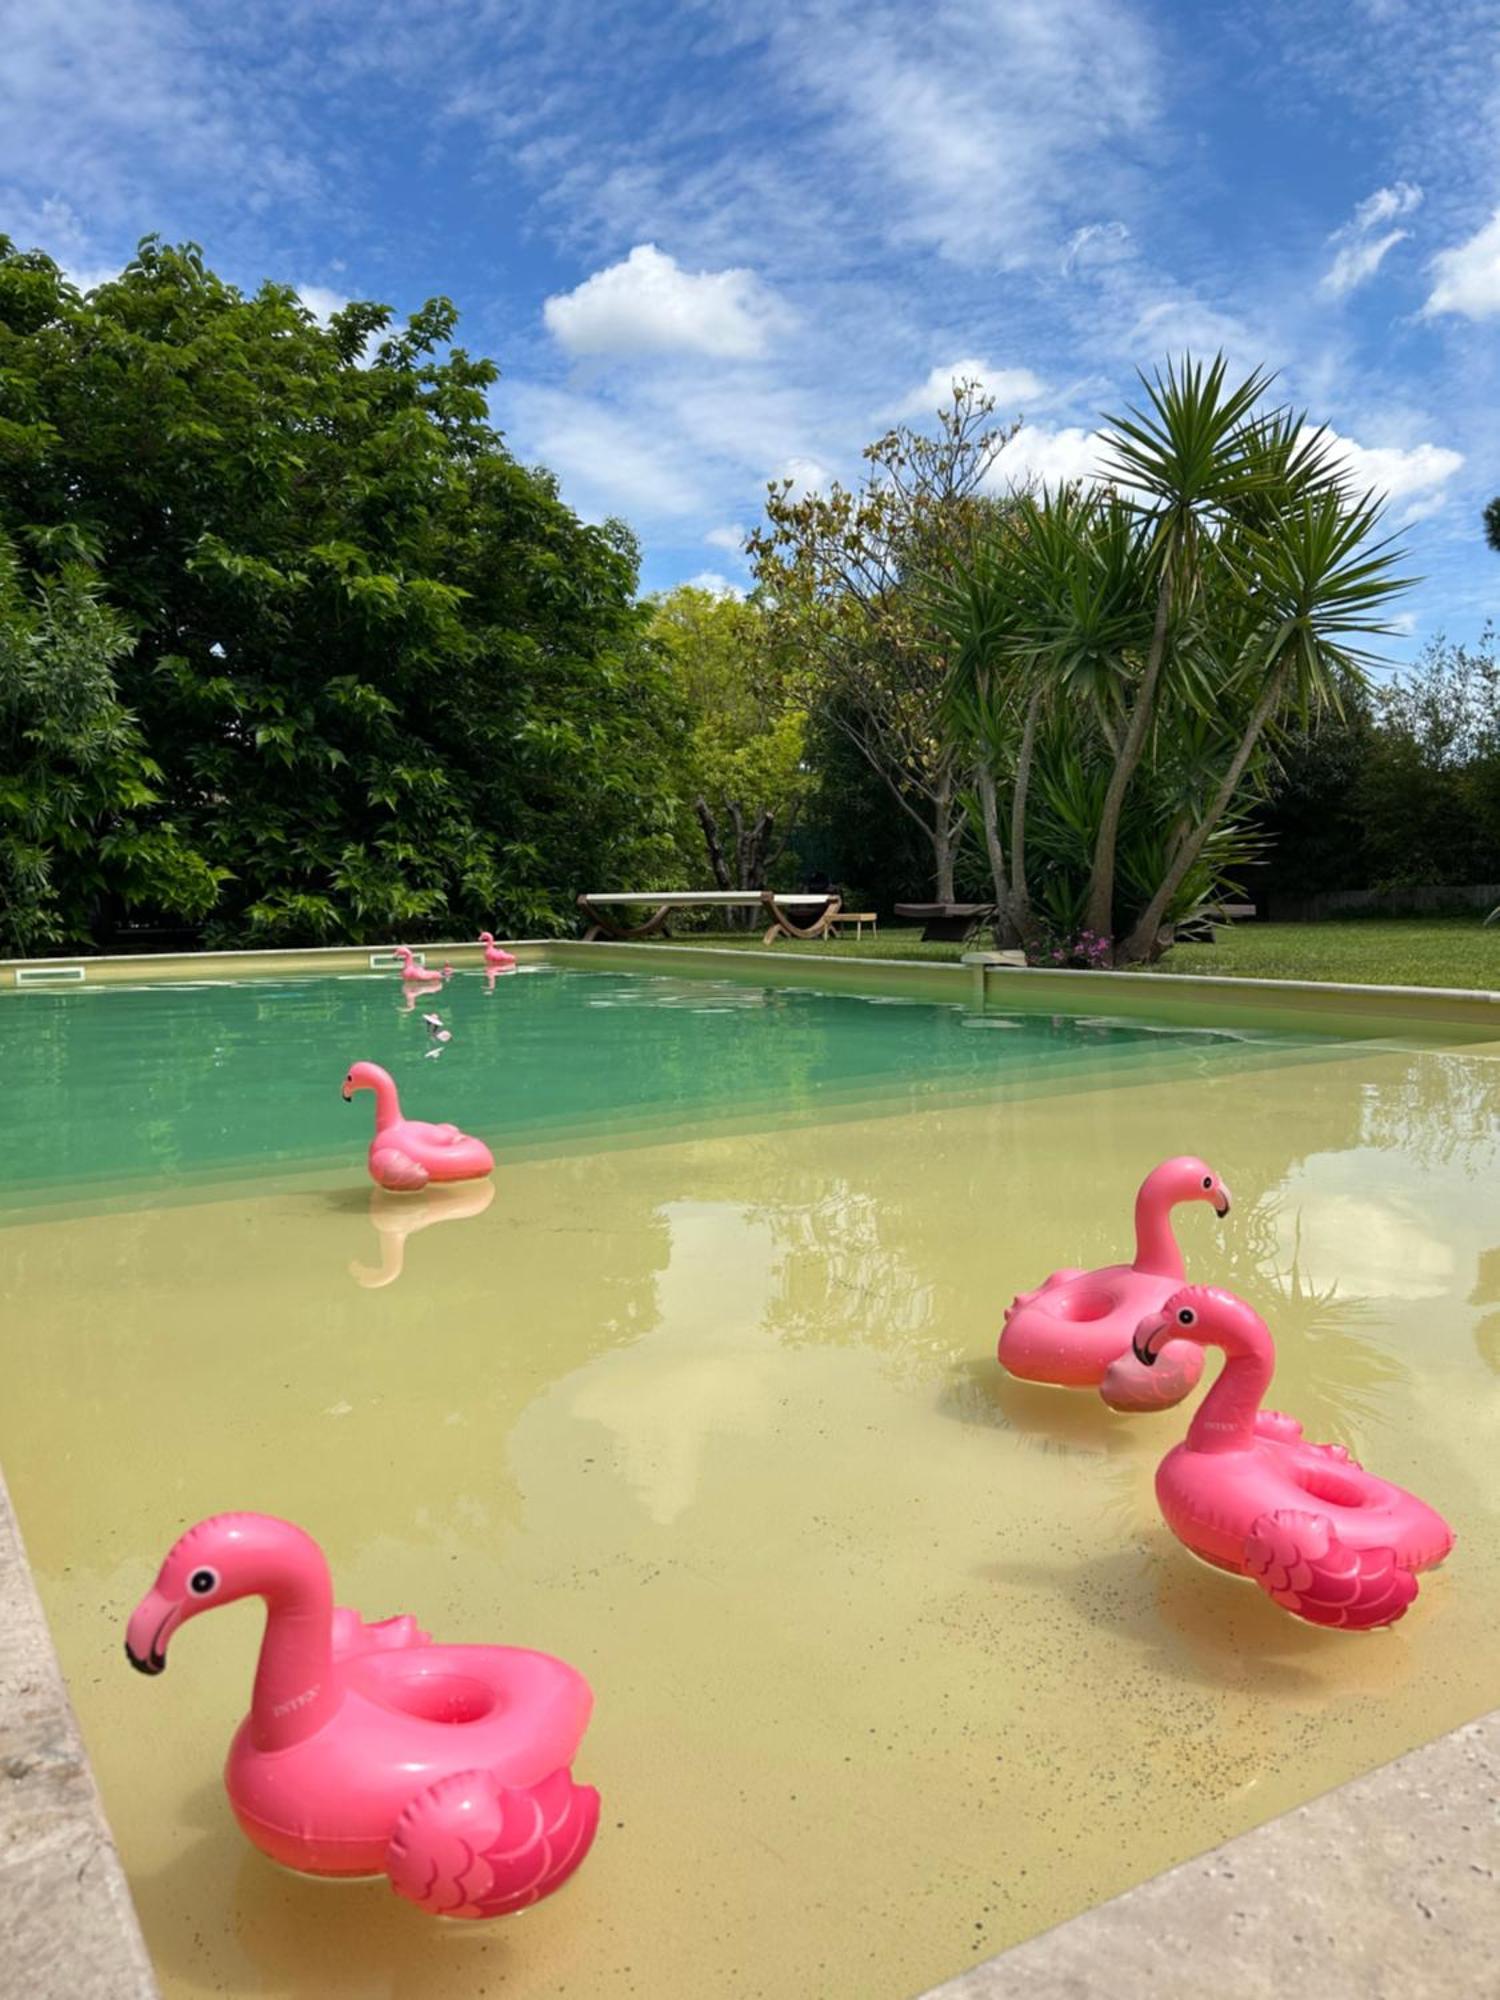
(783, 910)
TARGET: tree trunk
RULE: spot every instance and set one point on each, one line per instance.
(755, 847)
(942, 837)
(1020, 889)
(1142, 942)
(1100, 914)
(716, 859)
(994, 847)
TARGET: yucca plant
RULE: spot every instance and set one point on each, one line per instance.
(1164, 626)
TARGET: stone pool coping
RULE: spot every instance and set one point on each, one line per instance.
(978, 979)
(1385, 1889)
(68, 1928)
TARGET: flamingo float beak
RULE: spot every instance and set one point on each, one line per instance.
(1221, 1206)
(1140, 1345)
(152, 1623)
(347, 1091)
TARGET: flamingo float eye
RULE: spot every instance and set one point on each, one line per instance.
(202, 1581)
(1208, 1180)
(1186, 1317)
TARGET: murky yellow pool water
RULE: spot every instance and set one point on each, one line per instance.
(894, 1660)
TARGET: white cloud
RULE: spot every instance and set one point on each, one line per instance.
(1361, 252)
(806, 476)
(1386, 204)
(649, 304)
(1415, 475)
(608, 461)
(1412, 479)
(1042, 457)
(730, 537)
(1183, 324)
(321, 302)
(1467, 277)
(963, 124)
(1097, 243)
(715, 584)
(1357, 261)
(1008, 386)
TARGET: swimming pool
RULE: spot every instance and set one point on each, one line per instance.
(894, 1661)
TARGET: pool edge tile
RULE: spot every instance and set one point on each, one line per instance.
(68, 1928)
(1388, 1884)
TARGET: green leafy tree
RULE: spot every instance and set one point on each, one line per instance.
(76, 786)
(843, 575)
(1428, 788)
(388, 682)
(744, 767)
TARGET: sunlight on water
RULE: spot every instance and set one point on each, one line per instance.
(894, 1661)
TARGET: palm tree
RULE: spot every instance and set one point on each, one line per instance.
(1182, 455)
(1301, 585)
(1166, 624)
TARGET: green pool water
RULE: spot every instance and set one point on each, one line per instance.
(145, 1088)
(894, 1660)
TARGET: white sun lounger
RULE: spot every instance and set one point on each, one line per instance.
(784, 911)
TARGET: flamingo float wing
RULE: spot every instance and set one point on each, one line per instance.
(394, 1169)
(1299, 1561)
(1128, 1386)
(469, 1846)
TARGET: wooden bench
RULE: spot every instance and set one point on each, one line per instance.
(796, 916)
(948, 923)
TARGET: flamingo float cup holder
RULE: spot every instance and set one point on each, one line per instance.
(1323, 1538)
(370, 1751)
(1074, 1330)
(407, 1153)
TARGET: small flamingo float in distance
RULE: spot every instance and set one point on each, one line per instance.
(495, 958)
(370, 1751)
(406, 1153)
(412, 973)
(1325, 1539)
(1074, 1330)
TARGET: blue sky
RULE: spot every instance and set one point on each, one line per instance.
(710, 244)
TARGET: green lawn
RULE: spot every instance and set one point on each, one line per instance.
(1374, 951)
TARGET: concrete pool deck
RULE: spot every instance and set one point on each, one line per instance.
(1387, 1888)
(68, 1929)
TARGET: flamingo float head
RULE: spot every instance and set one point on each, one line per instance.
(1205, 1315)
(364, 1076)
(222, 1559)
(1187, 1178)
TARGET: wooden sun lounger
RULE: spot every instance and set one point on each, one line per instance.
(784, 911)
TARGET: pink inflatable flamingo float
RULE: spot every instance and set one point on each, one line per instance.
(1075, 1329)
(413, 974)
(1323, 1537)
(407, 1154)
(495, 959)
(367, 1749)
